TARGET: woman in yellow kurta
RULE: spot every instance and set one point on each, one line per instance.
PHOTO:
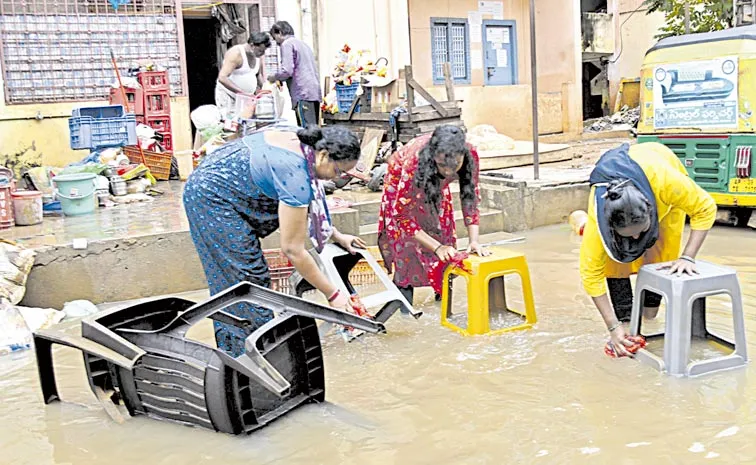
(640, 196)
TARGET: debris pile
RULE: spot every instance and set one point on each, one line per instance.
(621, 120)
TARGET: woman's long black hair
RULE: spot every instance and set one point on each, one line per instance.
(449, 141)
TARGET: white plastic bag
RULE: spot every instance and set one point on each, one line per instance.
(279, 99)
(14, 333)
(15, 265)
(206, 116)
(40, 318)
(79, 308)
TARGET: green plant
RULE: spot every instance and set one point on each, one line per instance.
(704, 15)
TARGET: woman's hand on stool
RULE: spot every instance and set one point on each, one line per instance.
(681, 266)
(478, 249)
(445, 253)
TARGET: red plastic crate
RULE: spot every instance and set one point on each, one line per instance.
(154, 81)
(157, 104)
(161, 124)
(134, 96)
(167, 142)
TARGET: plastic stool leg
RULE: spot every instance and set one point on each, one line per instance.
(677, 339)
(477, 306)
(527, 290)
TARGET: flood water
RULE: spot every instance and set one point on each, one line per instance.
(422, 394)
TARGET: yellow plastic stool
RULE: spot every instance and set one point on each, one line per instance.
(486, 292)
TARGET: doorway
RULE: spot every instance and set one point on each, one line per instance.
(201, 41)
(500, 52)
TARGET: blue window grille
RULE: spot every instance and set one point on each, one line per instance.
(450, 42)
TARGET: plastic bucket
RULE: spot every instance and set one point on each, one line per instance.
(76, 193)
(27, 207)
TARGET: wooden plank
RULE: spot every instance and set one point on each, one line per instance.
(426, 113)
(448, 82)
(410, 91)
(355, 101)
(424, 93)
(430, 127)
(371, 142)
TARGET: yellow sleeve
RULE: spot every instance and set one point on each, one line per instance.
(593, 259)
(680, 191)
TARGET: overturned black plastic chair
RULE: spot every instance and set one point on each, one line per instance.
(139, 357)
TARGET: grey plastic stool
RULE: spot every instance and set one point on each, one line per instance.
(685, 298)
(336, 263)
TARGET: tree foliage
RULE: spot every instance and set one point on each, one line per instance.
(705, 15)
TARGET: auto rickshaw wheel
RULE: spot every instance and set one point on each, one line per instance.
(744, 216)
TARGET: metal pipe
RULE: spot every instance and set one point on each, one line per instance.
(687, 17)
(534, 87)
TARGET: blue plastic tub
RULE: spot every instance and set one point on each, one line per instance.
(92, 133)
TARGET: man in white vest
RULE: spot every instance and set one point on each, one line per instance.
(242, 72)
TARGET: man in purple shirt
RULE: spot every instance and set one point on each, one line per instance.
(300, 72)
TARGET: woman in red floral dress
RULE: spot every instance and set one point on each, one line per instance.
(416, 227)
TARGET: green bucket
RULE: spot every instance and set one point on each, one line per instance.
(76, 193)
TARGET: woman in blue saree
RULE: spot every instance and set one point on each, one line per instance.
(251, 187)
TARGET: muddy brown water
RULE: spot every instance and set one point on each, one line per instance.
(422, 394)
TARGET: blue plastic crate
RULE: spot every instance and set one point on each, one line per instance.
(110, 111)
(346, 94)
(91, 133)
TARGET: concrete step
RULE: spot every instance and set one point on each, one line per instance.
(491, 221)
(368, 205)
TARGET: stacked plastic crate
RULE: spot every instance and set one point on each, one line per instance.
(151, 104)
(134, 97)
(157, 104)
(97, 127)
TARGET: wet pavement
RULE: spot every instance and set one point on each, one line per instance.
(162, 215)
(424, 395)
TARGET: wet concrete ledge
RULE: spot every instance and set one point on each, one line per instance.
(151, 264)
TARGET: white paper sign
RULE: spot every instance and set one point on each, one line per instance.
(505, 36)
(475, 20)
(476, 59)
(502, 58)
(495, 9)
(495, 35)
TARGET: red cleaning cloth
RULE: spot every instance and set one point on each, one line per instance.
(436, 273)
(639, 342)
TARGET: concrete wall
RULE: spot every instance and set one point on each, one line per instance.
(634, 37)
(526, 207)
(45, 141)
(508, 107)
(116, 270)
